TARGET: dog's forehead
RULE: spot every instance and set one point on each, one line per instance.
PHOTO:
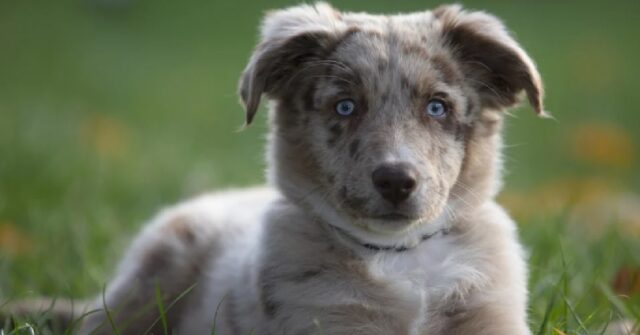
(379, 45)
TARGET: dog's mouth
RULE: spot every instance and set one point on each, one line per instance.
(391, 216)
(355, 208)
(383, 220)
(381, 213)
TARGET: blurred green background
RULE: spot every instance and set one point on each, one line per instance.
(112, 109)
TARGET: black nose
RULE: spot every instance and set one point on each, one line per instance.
(395, 182)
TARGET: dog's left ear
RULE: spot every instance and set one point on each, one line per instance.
(492, 61)
(289, 39)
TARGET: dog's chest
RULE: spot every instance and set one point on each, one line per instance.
(430, 268)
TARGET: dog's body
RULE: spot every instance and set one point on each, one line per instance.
(384, 156)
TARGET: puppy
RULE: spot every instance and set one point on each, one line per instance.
(384, 156)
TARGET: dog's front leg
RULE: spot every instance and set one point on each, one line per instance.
(343, 320)
(495, 318)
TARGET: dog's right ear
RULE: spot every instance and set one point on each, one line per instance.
(289, 38)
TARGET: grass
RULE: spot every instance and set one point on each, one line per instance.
(111, 109)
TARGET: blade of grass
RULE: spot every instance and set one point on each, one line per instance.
(215, 315)
(108, 312)
(175, 301)
(550, 305)
(592, 316)
(565, 289)
(44, 315)
(575, 315)
(606, 325)
(27, 326)
(163, 316)
(140, 311)
(75, 322)
(52, 304)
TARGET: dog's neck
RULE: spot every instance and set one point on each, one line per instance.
(354, 242)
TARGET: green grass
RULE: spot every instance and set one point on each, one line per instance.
(110, 110)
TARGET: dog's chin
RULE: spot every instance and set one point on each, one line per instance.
(393, 222)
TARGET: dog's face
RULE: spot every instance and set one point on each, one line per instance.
(385, 129)
(379, 122)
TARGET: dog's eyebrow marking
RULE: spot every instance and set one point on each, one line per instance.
(353, 148)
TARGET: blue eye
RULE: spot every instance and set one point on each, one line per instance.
(436, 108)
(345, 107)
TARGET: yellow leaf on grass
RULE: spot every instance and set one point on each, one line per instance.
(107, 136)
(559, 332)
(602, 144)
(13, 241)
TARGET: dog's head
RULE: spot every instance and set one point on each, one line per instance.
(384, 125)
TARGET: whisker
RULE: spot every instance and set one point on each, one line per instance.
(468, 189)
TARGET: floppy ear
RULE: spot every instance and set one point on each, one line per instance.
(289, 38)
(490, 58)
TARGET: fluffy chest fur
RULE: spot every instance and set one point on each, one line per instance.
(423, 268)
